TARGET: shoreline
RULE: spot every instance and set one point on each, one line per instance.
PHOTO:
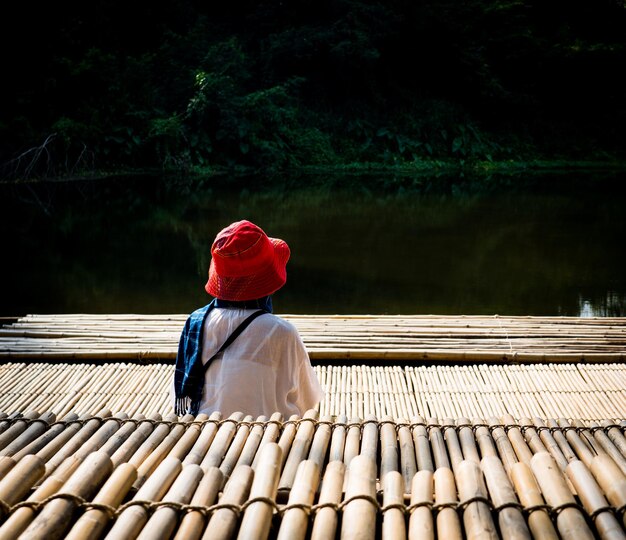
(421, 168)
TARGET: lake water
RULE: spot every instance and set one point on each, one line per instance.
(544, 245)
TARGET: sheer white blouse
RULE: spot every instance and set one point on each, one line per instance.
(266, 369)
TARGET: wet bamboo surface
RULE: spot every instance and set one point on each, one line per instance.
(589, 392)
(424, 338)
(310, 477)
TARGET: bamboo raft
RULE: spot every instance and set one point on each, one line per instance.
(589, 392)
(354, 338)
(492, 428)
(117, 477)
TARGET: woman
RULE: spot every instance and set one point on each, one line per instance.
(234, 355)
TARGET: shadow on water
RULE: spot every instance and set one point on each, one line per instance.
(543, 245)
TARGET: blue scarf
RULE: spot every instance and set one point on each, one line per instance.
(189, 374)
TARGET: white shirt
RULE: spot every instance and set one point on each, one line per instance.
(265, 370)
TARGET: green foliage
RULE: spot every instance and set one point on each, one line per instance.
(168, 137)
(470, 143)
(259, 128)
(70, 130)
(283, 85)
(312, 146)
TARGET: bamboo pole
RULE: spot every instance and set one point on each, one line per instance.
(286, 438)
(33, 431)
(585, 433)
(332, 390)
(612, 481)
(321, 440)
(72, 446)
(359, 515)
(550, 444)
(121, 436)
(52, 445)
(594, 502)
(560, 439)
(94, 442)
(92, 523)
(530, 496)
(224, 521)
(164, 520)
(270, 435)
(483, 438)
(299, 448)
(353, 441)
(46, 437)
(440, 452)
(149, 465)
(17, 428)
(448, 523)
(584, 453)
(394, 527)
(132, 444)
(6, 423)
(221, 441)
(204, 440)
(325, 521)
(607, 445)
(6, 464)
(338, 439)
(154, 439)
(503, 444)
(295, 521)
(369, 438)
(55, 517)
(421, 519)
(477, 516)
(236, 447)
(522, 452)
(130, 522)
(341, 403)
(452, 443)
(570, 522)
(422, 445)
(253, 440)
(192, 523)
(616, 436)
(188, 438)
(466, 438)
(532, 438)
(21, 518)
(371, 403)
(510, 519)
(257, 517)
(21, 479)
(388, 447)
(408, 464)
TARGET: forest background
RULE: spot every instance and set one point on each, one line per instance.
(202, 87)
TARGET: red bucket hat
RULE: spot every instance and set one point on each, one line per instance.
(246, 264)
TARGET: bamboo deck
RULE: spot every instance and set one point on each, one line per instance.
(588, 392)
(311, 477)
(451, 428)
(355, 338)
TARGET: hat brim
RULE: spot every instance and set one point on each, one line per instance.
(253, 286)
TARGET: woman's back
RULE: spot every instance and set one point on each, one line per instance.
(265, 370)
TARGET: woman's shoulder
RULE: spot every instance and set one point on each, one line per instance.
(278, 324)
(267, 324)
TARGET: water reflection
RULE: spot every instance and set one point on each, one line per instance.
(612, 305)
(536, 246)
